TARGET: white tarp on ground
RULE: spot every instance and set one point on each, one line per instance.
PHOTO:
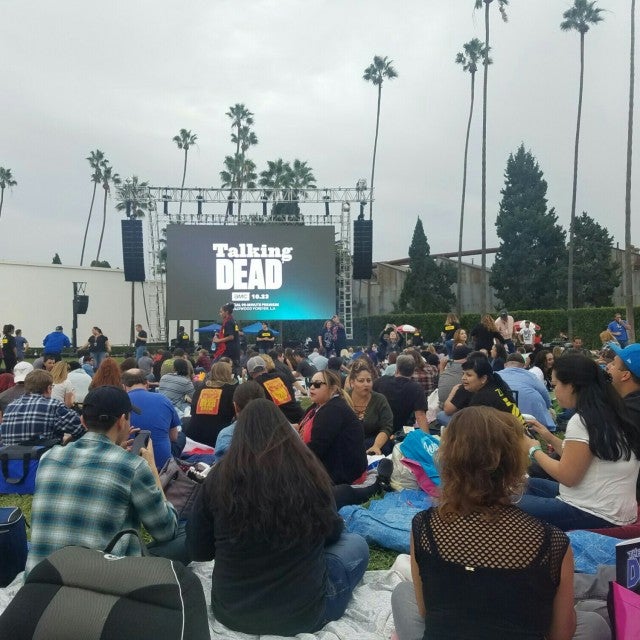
(368, 616)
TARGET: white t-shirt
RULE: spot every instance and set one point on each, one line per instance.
(537, 372)
(608, 489)
(527, 334)
(59, 390)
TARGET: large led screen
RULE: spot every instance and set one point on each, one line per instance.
(270, 272)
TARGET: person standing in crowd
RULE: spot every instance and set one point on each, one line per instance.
(505, 326)
(228, 339)
(451, 325)
(183, 341)
(527, 334)
(265, 338)
(619, 329)
(9, 349)
(55, 342)
(22, 345)
(98, 346)
(484, 334)
(141, 341)
(325, 337)
(339, 335)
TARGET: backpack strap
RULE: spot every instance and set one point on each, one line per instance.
(4, 461)
(124, 532)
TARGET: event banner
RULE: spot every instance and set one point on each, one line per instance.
(270, 271)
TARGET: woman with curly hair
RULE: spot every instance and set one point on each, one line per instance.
(283, 564)
(481, 567)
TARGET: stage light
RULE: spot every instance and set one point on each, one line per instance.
(165, 205)
(200, 198)
(326, 199)
(264, 199)
(346, 207)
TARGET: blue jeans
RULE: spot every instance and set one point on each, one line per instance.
(98, 357)
(540, 500)
(174, 549)
(443, 418)
(347, 561)
(140, 351)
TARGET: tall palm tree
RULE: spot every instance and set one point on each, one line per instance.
(377, 72)
(108, 177)
(276, 176)
(240, 116)
(240, 170)
(95, 159)
(6, 180)
(578, 18)
(132, 194)
(469, 58)
(501, 7)
(301, 176)
(185, 139)
(243, 137)
(628, 263)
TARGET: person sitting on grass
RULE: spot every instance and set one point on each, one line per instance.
(283, 564)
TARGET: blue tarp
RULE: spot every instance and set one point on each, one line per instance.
(257, 326)
(210, 327)
(591, 549)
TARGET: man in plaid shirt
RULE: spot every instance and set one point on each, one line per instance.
(91, 489)
(37, 415)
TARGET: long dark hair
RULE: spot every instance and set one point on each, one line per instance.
(478, 362)
(612, 433)
(269, 485)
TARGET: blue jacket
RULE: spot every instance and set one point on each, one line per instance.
(55, 342)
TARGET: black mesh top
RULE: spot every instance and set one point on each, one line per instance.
(488, 579)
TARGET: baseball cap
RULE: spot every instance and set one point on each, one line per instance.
(59, 328)
(256, 364)
(103, 403)
(629, 355)
(504, 312)
(460, 352)
(21, 370)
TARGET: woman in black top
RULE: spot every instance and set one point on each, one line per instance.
(98, 346)
(9, 350)
(283, 564)
(481, 567)
(484, 334)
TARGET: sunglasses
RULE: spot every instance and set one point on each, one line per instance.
(316, 384)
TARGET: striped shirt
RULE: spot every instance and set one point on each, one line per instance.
(88, 491)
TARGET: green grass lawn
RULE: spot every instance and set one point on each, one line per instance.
(379, 558)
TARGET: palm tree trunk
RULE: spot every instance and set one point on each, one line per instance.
(573, 196)
(1, 199)
(464, 193)
(628, 263)
(86, 229)
(375, 148)
(483, 291)
(184, 175)
(104, 221)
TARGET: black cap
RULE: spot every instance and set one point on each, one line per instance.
(58, 328)
(107, 402)
(460, 352)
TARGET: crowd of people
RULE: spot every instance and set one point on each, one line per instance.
(292, 430)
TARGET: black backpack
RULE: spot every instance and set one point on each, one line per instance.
(13, 544)
(84, 594)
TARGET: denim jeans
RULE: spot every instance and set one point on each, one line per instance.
(140, 351)
(174, 549)
(347, 561)
(98, 357)
(540, 500)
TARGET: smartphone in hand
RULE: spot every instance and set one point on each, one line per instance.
(141, 440)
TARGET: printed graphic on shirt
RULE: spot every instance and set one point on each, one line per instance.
(278, 391)
(209, 402)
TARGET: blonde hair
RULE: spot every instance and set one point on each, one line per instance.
(268, 360)
(59, 372)
(221, 373)
(334, 381)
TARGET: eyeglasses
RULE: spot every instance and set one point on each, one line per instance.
(316, 384)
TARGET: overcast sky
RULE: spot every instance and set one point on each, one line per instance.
(125, 76)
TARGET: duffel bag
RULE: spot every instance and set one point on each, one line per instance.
(179, 489)
(84, 594)
(13, 544)
(18, 467)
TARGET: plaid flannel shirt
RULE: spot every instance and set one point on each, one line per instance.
(88, 491)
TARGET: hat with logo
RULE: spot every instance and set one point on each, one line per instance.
(629, 355)
(106, 403)
(256, 364)
(21, 370)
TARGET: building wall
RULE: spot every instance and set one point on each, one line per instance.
(37, 297)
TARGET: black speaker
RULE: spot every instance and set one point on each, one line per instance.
(133, 251)
(362, 249)
(80, 304)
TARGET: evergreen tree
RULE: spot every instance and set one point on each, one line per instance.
(530, 268)
(596, 275)
(56, 259)
(428, 285)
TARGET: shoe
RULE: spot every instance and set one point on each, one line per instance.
(385, 469)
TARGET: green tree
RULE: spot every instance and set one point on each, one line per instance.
(530, 267)
(578, 18)
(184, 140)
(377, 72)
(501, 7)
(132, 197)
(427, 287)
(628, 262)
(56, 259)
(6, 180)
(596, 275)
(109, 177)
(469, 58)
(243, 137)
(95, 160)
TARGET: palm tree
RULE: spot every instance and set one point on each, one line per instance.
(469, 58)
(503, 13)
(241, 167)
(578, 18)
(132, 197)
(376, 73)
(108, 177)
(240, 116)
(6, 180)
(95, 159)
(628, 263)
(184, 140)
(243, 137)
(301, 176)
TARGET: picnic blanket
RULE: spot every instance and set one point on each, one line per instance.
(368, 616)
